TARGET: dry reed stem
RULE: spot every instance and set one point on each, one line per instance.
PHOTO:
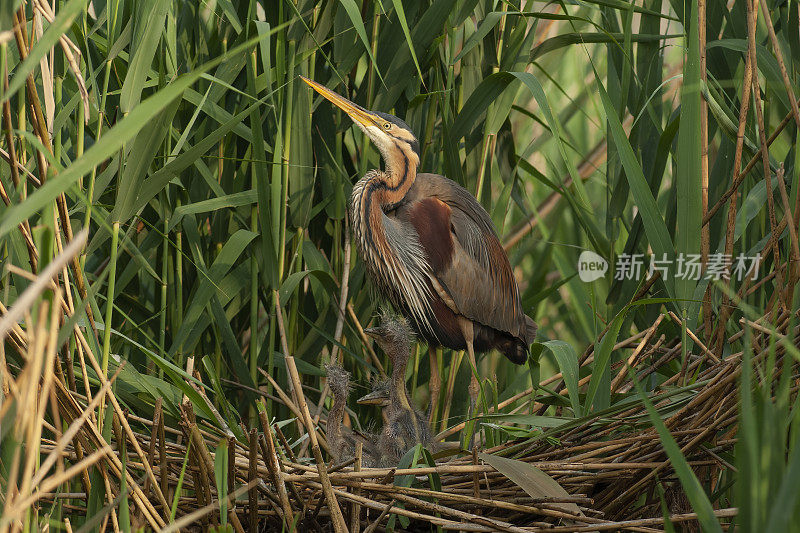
(711, 355)
(355, 510)
(374, 525)
(192, 517)
(629, 524)
(287, 401)
(734, 187)
(252, 476)
(275, 467)
(344, 285)
(794, 272)
(11, 157)
(632, 359)
(787, 83)
(71, 431)
(455, 364)
(151, 449)
(32, 292)
(70, 51)
(338, 520)
(376, 362)
(768, 177)
(737, 161)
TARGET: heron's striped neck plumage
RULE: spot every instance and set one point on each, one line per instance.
(401, 171)
(378, 192)
(397, 263)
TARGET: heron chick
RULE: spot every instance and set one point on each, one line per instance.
(405, 425)
(378, 395)
(341, 440)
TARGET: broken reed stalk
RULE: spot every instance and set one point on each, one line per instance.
(207, 468)
(274, 465)
(373, 526)
(355, 510)
(737, 161)
(336, 513)
(252, 475)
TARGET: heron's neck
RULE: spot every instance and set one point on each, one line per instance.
(398, 395)
(379, 192)
(401, 171)
(398, 398)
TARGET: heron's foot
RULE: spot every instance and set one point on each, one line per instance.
(472, 424)
(474, 392)
(435, 388)
(468, 436)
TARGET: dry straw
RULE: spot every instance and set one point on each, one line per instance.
(606, 468)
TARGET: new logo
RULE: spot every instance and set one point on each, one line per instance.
(591, 266)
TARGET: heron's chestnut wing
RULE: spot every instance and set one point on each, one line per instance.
(466, 255)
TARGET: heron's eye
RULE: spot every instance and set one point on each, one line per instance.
(387, 126)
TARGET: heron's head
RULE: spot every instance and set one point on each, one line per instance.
(379, 395)
(392, 136)
(338, 380)
(394, 336)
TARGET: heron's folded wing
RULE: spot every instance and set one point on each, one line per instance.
(479, 278)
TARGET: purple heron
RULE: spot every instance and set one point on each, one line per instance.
(431, 248)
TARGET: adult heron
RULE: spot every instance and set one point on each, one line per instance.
(431, 248)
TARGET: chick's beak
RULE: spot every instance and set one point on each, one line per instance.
(353, 110)
(373, 398)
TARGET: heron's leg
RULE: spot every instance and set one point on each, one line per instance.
(474, 391)
(455, 364)
(468, 332)
(474, 387)
(434, 384)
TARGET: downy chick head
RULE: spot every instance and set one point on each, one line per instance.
(394, 336)
(379, 395)
(338, 380)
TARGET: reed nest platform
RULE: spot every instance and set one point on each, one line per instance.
(606, 472)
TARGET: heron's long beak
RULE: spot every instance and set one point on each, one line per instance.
(373, 398)
(354, 111)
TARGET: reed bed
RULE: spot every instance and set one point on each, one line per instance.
(192, 474)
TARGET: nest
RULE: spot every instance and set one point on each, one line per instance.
(610, 472)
